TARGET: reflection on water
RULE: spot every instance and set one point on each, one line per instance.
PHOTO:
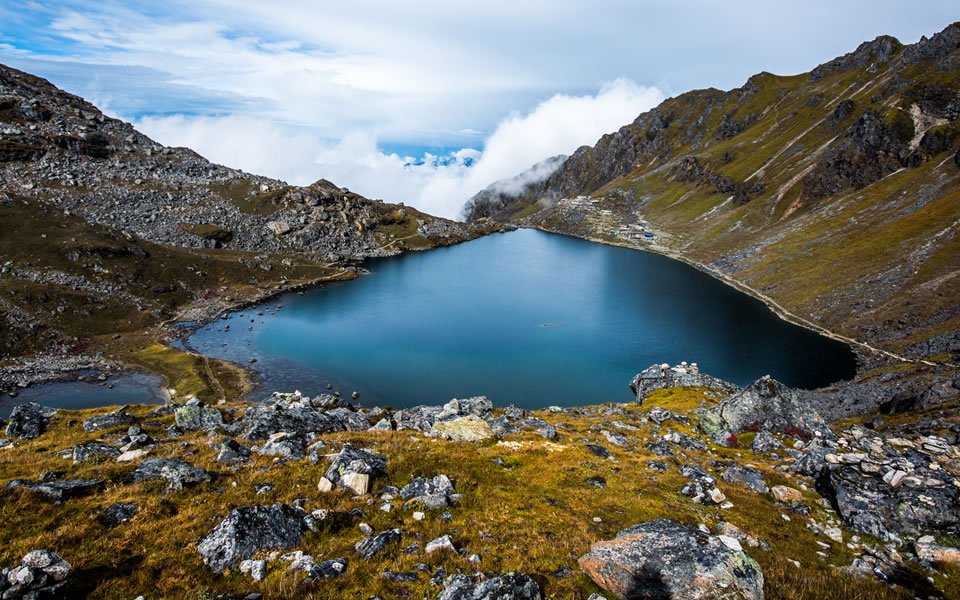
(131, 388)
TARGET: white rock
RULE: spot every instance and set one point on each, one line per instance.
(730, 542)
(441, 543)
(359, 483)
(325, 485)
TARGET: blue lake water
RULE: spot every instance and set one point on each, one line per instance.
(526, 317)
(129, 388)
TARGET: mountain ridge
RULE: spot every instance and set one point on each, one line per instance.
(110, 238)
(833, 194)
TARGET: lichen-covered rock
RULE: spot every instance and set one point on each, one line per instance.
(662, 376)
(764, 405)
(291, 413)
(470, 428)
(510, 586)
(177, 473)
(117, 418)
(248, 530)
(432, 493)
(668, 560)
(890, 509)
(196, 415)
(91, 451)
(28, 421)
(702, 488)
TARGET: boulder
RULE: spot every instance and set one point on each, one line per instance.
(116, 514)
(470, 428)
(231, 452)
(195, 415)
(58, 491)
(92, 450)
(786, 494)
(348, 465)
(177, 473)
(889, 509)
(935, 553)
(117, 418)
(764, 405)
(510, 586)
(248, 530)
(284, 445)
(662, 376)
(668, 560)
(375, 544)
(746, 476)
(433, 493)
(28, 421)
(41, 574)
(543, 428)
(291, 413)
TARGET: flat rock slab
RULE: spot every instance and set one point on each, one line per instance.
(470, 428)
(58, 491)
(177, 473)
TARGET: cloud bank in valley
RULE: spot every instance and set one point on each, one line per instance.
(436, 184)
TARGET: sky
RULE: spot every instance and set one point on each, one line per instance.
(424, 102)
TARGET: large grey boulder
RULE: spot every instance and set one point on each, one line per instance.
(177, 473)
(249, 529)
(658, 377)
(764, 405)
(196, 415)
(668, 560)
(28, 421)
(432, 493)
(510, 586)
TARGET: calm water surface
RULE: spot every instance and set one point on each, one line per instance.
(130, 388)
(527, 317)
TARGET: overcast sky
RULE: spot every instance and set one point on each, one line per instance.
(423, 102)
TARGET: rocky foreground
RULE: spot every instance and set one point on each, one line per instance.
(700, 489)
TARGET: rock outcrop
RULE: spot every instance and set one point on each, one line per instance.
(764, 405)
(657, 377)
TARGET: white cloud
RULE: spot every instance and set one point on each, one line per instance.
(558, 125)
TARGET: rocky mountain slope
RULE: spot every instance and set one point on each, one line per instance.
(748, 492)
(108, 235)
(833, 194)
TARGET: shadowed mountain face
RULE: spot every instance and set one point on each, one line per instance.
(836, 192)
(106, 231)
